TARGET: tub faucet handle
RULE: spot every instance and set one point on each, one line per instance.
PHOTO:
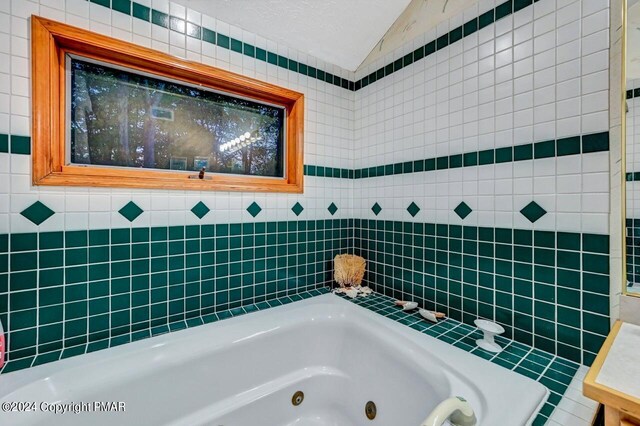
(456, 409)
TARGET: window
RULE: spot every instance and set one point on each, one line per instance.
(124, 119)
(110, 113)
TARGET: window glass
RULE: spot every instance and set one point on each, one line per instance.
(123, 119)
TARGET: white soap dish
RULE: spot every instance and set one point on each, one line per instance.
(490, 330)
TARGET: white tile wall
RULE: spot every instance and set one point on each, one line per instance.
(538, 74)
(329, 114)
(633, 151)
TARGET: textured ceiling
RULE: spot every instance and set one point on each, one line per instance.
(341, 32)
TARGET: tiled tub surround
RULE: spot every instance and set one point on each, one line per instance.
(526, 88)
(68, 289)
(326, 327)
(503, 236)
(194, 321)
(549, 290)
(552, 371)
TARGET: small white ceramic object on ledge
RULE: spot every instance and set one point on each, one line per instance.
(490, 330)
(406, 306)
(428, 315)
(409, 306)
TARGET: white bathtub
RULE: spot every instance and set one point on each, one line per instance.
(244, 371)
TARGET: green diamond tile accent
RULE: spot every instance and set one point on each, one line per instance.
(254, 209)
(200, 210)
(332, 209)
(376, 209)
(463, 210)
(533, 211)
(297, 209)
(37, 213)
(413, 209)
(130, 211)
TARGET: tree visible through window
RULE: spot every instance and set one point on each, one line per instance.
(122, 119)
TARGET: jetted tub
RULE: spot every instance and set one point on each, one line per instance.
(244, 371)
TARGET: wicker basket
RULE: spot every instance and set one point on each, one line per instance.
(349, 269)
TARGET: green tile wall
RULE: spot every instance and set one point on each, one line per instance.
(548, 289)
(43, 358)
(61, 290)
(632, 240)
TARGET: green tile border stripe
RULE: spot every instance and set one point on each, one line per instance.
(501, 11)
(585, 144)
(553, 372)
(516, 356)
(330, 172)
(15, 144)
(633, 93)
(207, 35)
(199, 32)
(632, 176)
(43, 358)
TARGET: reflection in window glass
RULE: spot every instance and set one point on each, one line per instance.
(123, 119)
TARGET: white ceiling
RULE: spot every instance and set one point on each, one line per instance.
(341, 32)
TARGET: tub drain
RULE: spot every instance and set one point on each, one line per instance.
(370, 410)
(297, 398)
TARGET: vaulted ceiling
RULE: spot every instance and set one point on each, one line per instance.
(341, 32)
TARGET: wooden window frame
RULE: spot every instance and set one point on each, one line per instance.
(51, 41)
